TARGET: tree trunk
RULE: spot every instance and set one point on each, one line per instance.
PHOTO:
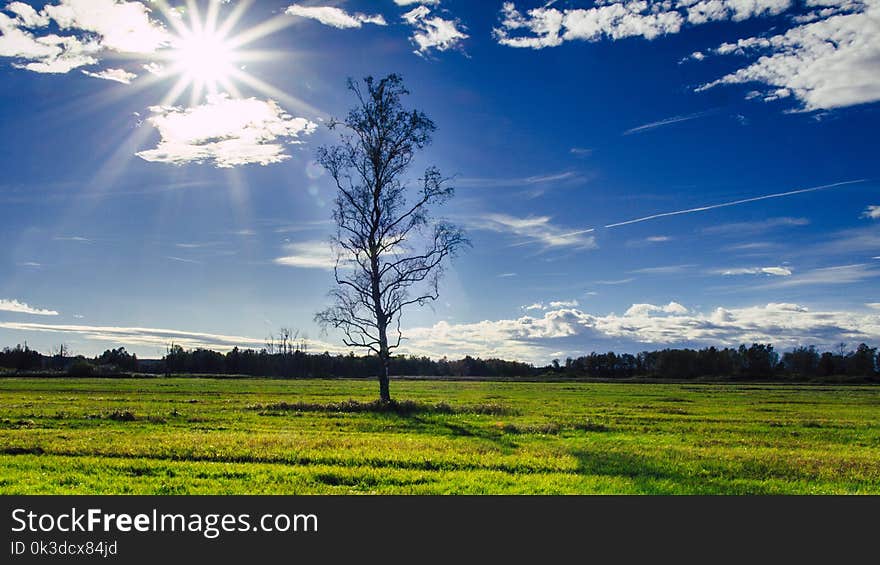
(384, 393)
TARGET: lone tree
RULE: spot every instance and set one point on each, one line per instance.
(389, 250)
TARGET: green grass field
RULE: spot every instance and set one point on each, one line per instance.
(182, 435)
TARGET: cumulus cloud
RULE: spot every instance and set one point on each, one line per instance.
(872, 212)
(27, 15)
(117, 75)
(122, 26)
(48, 53)
(91, 27)
(534, 229)
(433, 33)
(646, 325)
(7, 305)
(335, 17)
(549, 27)
(226, 132)
(829, 59)
(641, 310)
(308, 255)
(824, 64)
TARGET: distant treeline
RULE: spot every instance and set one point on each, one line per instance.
(755, 362)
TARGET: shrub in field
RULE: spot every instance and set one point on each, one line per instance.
(81, 368)
(122, 416)
(402, 407)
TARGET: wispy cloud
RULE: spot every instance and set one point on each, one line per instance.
(774, 271)
(139, 336)
(842, 274)
(183, 260)
(7, 305)
(650, 240)
(668, 122)
(751, 246)
(533, 230)
(567, 177)
(581, 151)
(663, 270)
(116, 75)
(73, 238)
(752, 228)
(307, 255)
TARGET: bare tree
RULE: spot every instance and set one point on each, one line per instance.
(390, 252)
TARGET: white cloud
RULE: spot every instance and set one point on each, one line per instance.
(549, 27)
(552, 304)
(642, 310)
(872, 212)
(842, 274)
(829, 63)
(118, 75)
(226, 132)
(27, 15)
(531, 180)
(45, 54)
(122, 26)
(646, 325)
(873, 305)
(829, 59)
(308, 255)
(93, 27)
(411, 2)
(759, 226)
(663, 270)
(534, 229)
(737, 10)
(774, 271)
(7, 305)
(433, 32)
(335, 17)
(155, 337)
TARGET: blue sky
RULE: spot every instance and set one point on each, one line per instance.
(159, 183)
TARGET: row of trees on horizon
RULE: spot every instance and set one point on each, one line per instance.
(757, 362)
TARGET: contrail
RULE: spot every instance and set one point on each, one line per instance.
(714, 206)
(669, 121)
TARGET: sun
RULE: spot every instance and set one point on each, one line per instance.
(205, 59)
(205, 55)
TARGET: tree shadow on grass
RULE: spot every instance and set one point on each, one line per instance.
(650, 476)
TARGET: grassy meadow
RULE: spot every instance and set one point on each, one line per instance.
(203, 436)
